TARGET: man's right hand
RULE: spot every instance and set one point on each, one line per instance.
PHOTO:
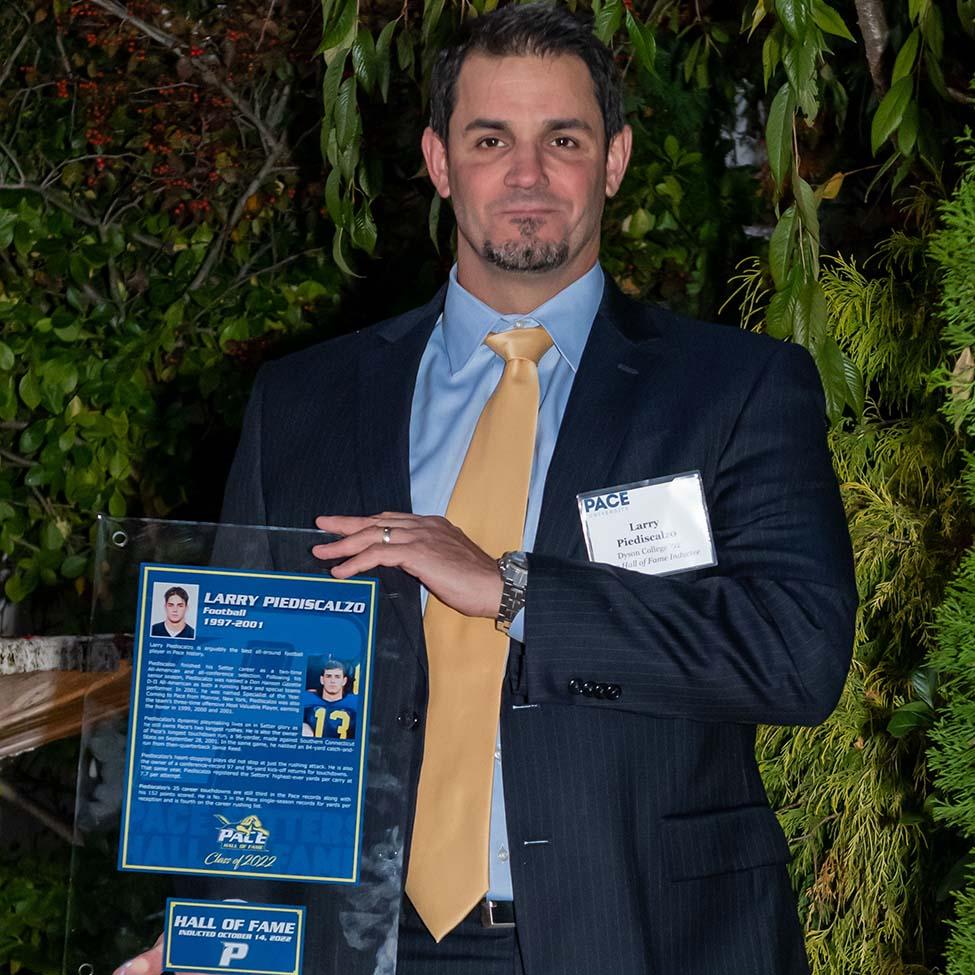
(148, 963)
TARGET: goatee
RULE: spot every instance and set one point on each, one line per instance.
(529, 253)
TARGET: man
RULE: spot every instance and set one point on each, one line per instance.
(629, 831)
(174, 625)
(338, 722)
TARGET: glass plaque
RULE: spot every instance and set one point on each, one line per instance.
(244, 773)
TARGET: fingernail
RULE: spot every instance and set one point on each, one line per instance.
(138, 966)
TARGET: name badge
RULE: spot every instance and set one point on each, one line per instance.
(222, 936)
(656, 526)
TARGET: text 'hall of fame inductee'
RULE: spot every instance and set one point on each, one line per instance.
(614, 819)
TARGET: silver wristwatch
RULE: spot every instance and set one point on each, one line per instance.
(513, 567)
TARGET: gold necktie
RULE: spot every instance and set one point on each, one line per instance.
(448, 869)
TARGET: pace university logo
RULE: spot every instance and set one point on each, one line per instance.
(248, 834)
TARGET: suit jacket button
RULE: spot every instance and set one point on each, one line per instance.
(408, 720)
(614, 692)
(601, 690)
(575, 687)
(588, 688)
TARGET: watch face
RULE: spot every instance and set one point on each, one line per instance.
(517, 559)
(514, 569)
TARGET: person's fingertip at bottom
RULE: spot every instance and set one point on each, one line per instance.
(148, 963)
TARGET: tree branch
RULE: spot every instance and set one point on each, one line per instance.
(875, 33)
(199, 65)
(219, 242)
(14, 797)
(55, 199)
(15, 459)
(12, 60)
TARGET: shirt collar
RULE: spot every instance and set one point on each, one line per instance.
(567, 317)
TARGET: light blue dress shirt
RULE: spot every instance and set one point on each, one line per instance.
(457, 375)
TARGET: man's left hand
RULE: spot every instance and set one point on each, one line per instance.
(438, 553)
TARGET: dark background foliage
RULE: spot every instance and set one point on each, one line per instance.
(188, 188)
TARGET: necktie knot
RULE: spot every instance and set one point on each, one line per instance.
(520, 343)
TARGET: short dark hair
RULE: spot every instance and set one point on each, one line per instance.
(176, 591)
(333, 664)
(529, 30)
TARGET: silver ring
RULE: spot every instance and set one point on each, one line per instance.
(387, 536)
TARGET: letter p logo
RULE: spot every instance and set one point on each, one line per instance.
(232, 951)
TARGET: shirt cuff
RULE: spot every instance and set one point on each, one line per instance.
(517, 629)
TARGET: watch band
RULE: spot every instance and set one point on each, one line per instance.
(513, 567)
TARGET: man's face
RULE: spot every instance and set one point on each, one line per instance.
(525, 163)
(333, 681)
(175, 609)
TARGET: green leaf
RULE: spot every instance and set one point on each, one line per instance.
(806, 204)
(7, 223)
(69, 333)
(909, 717)
(383, 58)
(343, 31)
(23, 239)
(32, 438)
(338, 253)
(778, 134)
(932, 68)
(758, 15)
(933, 29)
(771, 54)
(432, 12)
(333, 199)
(906, 56)
(780, 247)
(794, 15)
(890, 112)
(364, 59)
(30, 390)
(841, 380)
(925, 683)
(907, 130)
(856, 393)
(6, 357)
(643, 42)
(778, 315)
(17, 588)
(73, 566)
(309, 291)
(118, 466)
(331, 82)
(691, 60)
(638, 224)
(116, 504)
(799, 62)
(966, 15)
(607, 21)
(51, 537)
(346, 114)
(364, 231)
(79, 269)
(829, 21)
(809, 316)
(405, 55)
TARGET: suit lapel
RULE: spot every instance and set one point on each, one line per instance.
(385, 397)
(597, 416)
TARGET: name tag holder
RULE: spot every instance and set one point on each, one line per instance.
(658, 526)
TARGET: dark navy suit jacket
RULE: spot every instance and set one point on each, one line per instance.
(641, 837)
